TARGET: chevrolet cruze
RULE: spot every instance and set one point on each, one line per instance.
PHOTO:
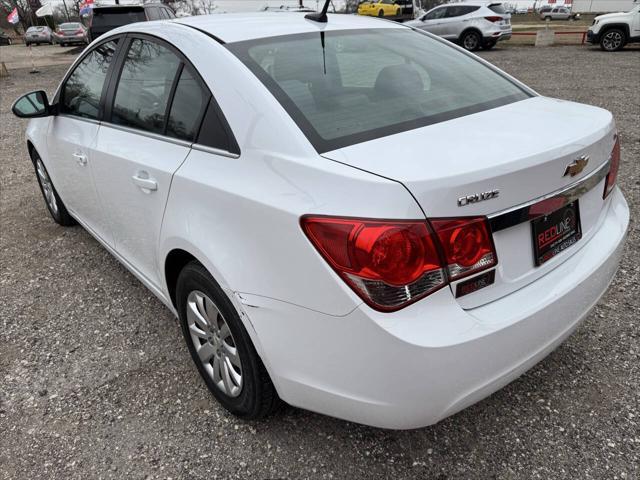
(351, 216)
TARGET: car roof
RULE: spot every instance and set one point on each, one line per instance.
(237, 27)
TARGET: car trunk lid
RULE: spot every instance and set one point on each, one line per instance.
(492, 162)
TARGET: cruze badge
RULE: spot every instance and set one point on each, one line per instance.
(478, 197)
(575, 167)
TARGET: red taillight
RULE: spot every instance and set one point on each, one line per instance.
(79, 32)
(391, 264)
(494, 19)
(614, 166)
(467, 245)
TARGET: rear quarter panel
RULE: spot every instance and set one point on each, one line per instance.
(241, 216)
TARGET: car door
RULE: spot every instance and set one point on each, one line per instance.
(635, 23)
(433, 19)
(72, 136)
(142, 142)
(462, 17)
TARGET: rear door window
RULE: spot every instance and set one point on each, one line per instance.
(144, 88)
(187, 107)
(435, 14)
(80, 95)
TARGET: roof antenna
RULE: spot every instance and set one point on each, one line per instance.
(320, 17)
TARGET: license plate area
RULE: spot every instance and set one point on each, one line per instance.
(555, 232)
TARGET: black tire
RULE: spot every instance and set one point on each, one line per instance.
(60, 214)
(398, 12)
(471, 40)
(381, 13)
(489, 45)
(613, 40)
(547, 18)
(257, 397)
(26, 44)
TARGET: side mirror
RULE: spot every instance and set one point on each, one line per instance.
(34, 104)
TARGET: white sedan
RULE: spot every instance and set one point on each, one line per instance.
(352, 216)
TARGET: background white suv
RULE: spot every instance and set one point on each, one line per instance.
(614, 30)
(472, 25)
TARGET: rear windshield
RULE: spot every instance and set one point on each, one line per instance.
(111, 18)
(498, 8)
(366, 84)
(70, 26)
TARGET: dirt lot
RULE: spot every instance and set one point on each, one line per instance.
(19, 56)
(95, 381)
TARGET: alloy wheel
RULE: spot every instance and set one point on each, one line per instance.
(214, 343)
(47, 187)
(470, 42)
(612, 40)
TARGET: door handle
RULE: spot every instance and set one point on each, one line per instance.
(81, 158)
(143, 181)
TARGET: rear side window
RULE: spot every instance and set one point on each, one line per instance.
(153, 13)
(80, 95)
(458, 11)
(186, 108)
(498, 8)
(144, 88)
(214, 131)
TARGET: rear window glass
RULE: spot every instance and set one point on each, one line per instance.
(114, 19)
(367, 84)
(70, 26)
(498, 8)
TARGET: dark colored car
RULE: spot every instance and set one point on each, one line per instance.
(4, 38)
(109, 17)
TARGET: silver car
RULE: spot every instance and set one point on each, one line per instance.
(38, 35)
(473, 25)
(559, 13)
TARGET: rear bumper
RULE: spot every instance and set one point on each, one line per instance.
(417, 366)
(71, 39)
(497, 36)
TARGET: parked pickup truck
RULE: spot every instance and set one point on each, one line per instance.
(614, 30)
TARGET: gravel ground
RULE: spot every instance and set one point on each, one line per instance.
(40, 56)
(96, 381)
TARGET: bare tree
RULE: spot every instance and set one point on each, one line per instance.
(196, 7)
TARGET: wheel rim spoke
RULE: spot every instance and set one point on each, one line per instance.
(198, 332)
(233, 374)
(232, 354)
(194, 316)
(226, 378)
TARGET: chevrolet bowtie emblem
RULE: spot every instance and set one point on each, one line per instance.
(575, 167)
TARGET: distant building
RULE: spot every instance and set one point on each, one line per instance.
(602, 5)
